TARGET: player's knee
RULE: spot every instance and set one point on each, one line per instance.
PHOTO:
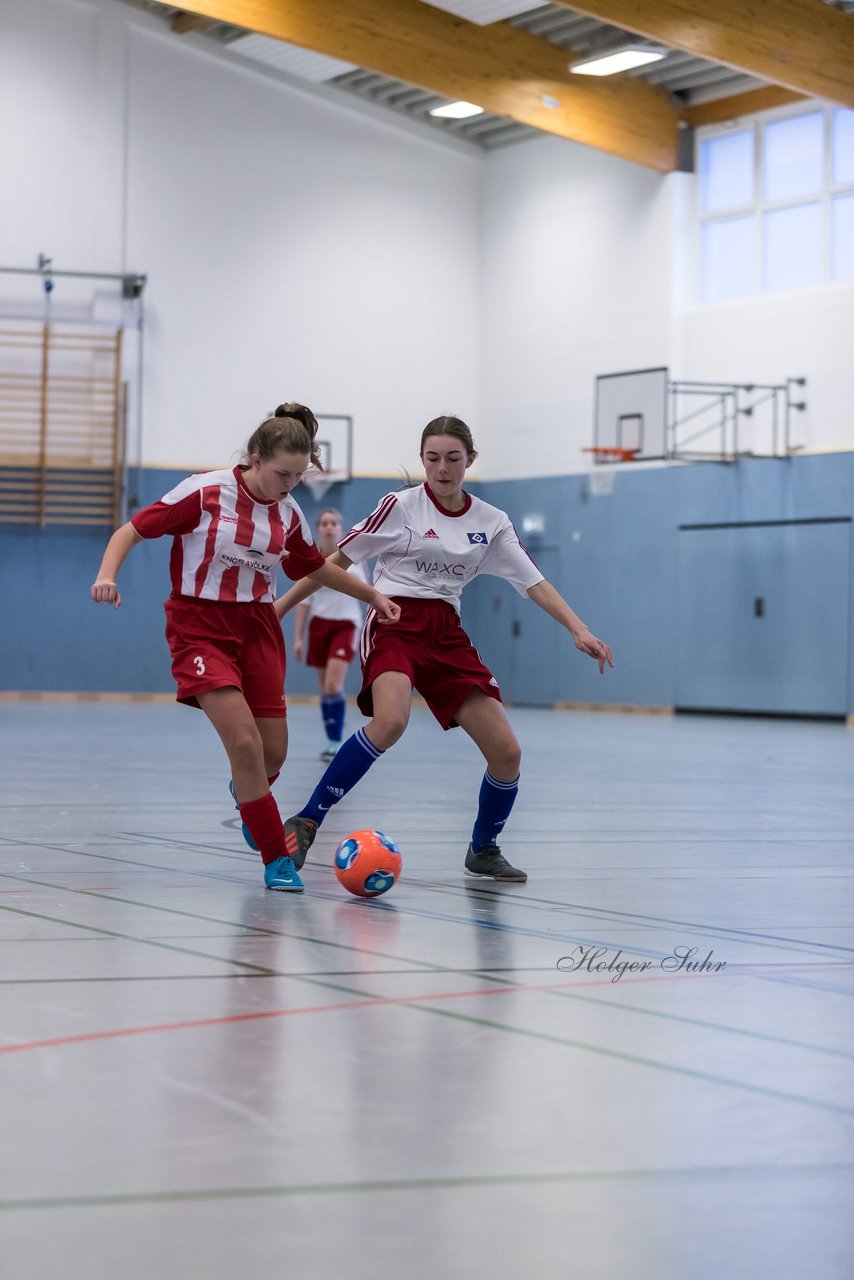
(274, 760)
(506, 759)
(385, 731)
(245, 743)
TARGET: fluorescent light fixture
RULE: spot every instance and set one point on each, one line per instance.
(457, 111)
(610, 64)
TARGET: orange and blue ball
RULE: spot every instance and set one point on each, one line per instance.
(367, 863)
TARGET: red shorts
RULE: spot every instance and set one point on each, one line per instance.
(219, 646)
(330, 638)
(429, 645)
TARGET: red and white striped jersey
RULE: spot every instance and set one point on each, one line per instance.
(227, 543)
(425, 551)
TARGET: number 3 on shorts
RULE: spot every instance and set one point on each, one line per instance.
(200, 665)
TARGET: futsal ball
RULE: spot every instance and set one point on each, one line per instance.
(367, 863)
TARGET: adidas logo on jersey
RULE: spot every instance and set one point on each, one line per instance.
(431, 533)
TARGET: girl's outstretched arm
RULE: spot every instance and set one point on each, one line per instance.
(545, 595)
(104, 589)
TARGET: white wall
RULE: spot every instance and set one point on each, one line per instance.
(294, 248)
(766, 339)
(300, 248)
(588, 267)
(576, 280)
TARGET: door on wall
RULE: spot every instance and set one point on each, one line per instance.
(763, 617)
(535, 640)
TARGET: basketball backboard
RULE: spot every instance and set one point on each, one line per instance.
(631, 413)
(335, 446)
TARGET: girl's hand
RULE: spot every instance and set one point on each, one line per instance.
(104, 591)
(298, 647)
(388, 611)
(594, 648)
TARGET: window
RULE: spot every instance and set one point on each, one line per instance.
(842, 238)
(728, 257)
(726, 172)
(776, 204)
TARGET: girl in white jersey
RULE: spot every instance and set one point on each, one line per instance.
(231, 529)
(331, 620)
(429, 542)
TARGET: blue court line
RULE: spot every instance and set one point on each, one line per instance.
(548, 935)
(419, 1004)
(424, 966)
(642, 918)
(498, 926)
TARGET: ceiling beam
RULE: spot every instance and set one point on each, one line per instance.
(504, 70)
(803, 45)
(739, 105)
(182, 23)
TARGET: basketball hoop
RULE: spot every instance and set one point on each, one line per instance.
(319, 483)
(610, 453)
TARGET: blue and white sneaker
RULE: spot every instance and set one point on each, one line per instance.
(247, 834)
(282, 874)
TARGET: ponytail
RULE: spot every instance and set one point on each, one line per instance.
(292, 427)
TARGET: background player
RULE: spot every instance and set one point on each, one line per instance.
(429, 541)
(231, 529)
(332, 621)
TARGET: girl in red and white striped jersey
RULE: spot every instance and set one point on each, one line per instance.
(429, 541)
(231, 530)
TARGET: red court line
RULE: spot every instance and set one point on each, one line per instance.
(321, 1008)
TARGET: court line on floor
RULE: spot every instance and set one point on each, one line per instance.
(424, 966)
(611, 1004)
(772, 940)
(612, 913)
(412, 912)
(367, 1186)
(415, 1003)
(759, 939)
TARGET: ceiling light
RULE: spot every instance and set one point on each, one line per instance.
(457, 111)
(609, 64)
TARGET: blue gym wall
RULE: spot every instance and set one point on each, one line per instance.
(614, 556)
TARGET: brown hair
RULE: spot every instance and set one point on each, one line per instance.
(449, 426)
(328, 511)
(292, 427)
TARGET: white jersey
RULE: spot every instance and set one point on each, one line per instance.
(422, 550)
(334, 605)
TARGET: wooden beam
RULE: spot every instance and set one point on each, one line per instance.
(740, 104)
(504, 70)
(184, 22)
(803, 45)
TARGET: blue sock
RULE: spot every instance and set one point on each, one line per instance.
(332, 708)
(350, 765)
(495, 802)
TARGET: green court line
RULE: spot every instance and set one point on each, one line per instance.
(470, 1019)
(129, 937)
(375, 1186)
(682, 1019)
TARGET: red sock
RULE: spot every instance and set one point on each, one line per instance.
(264, 821)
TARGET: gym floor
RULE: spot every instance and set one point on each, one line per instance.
(202, 1078)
